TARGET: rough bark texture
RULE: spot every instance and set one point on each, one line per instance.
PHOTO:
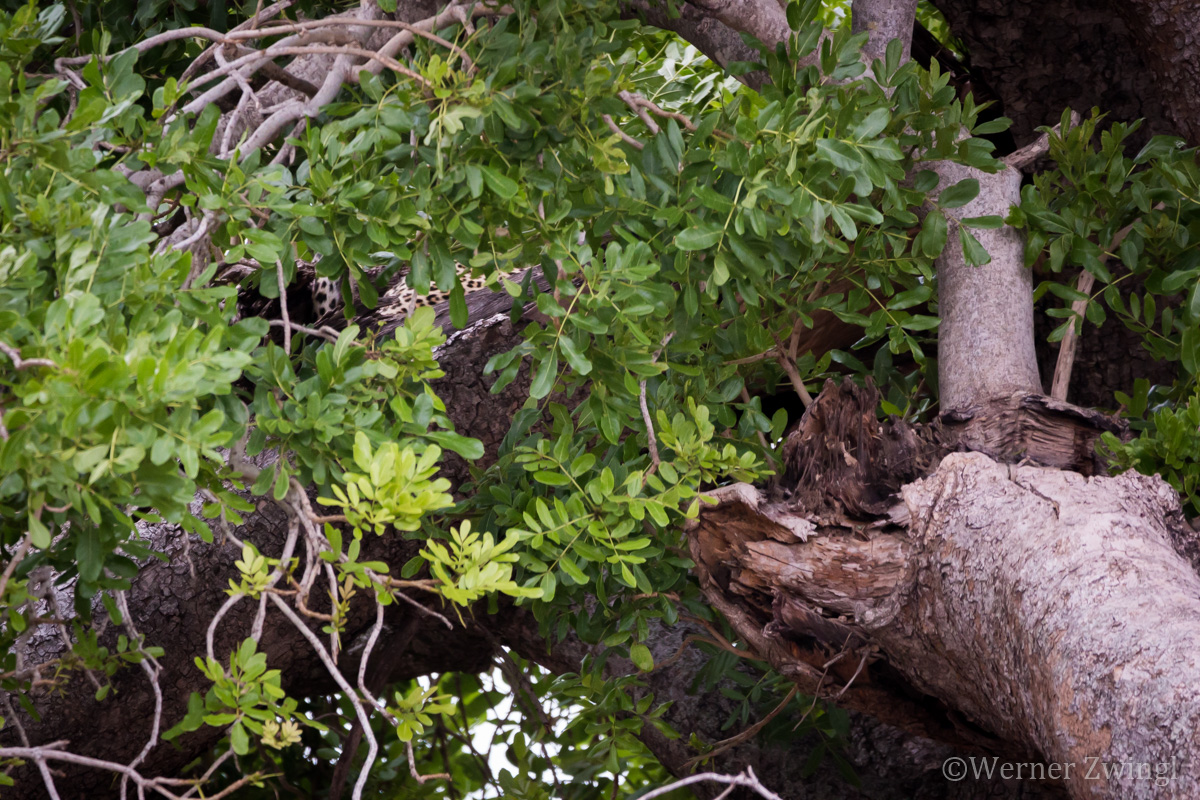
(1051, 610)
(1042, 56)
(985, 341)
(172, 608)
(712, 37)
(1078, 669)
(883, 22)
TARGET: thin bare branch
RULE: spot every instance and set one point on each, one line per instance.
(11, 567)
(343, 684)
(744, 736)
(746, 780)
(1038, 147)
(625, 137)
(25, 363)
(1070, 341)
(326, 333)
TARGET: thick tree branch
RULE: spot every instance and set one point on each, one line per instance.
(1003, 591)
(985, 340)
(883, 21)
(765, 20)
(710, 36)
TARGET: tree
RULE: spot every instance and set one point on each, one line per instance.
(274, 553)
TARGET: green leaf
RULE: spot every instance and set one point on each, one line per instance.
(543, 379)
(500, 184)
(474, 180)
(281, 484)
(959, 194)
(640, 655)
(844, 223)
(989, 222)
(998, 125)
(910, 298)
(88, 554)
(575, 357)
(39, 534)
(551, 478)
(972, 250)
(844, 156)
(932, 238)
(873, 125)
(699, 237)
(239, 739)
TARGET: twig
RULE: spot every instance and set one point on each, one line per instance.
(208, 773)
(351, 695)
(396, 646)
(745, 735)
(746, 779)
(77, 22)
(718, 640)
(304, 26)
(1038, 147)
(287, 151)
(25, 363)
(287, 320)
(51, 752)
(329, 335)
(640, 104)
(789, 367)
(152, 669)
(47, 779)
(762, 438)
(861, 663)
(651, 440)
(11, 567)
(625, 137)
(418, 777)
(259, 16)
(1070, 341)
(631, 100)
(348, 50)
(421, 608)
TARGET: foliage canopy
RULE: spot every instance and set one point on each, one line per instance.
(691, 231)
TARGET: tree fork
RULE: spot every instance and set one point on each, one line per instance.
(1051, 609)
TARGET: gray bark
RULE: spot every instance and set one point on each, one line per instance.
(883, 22)
(1051, 610)
(985, 340)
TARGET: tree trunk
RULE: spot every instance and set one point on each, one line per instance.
(1132, 60)
(1050, 610)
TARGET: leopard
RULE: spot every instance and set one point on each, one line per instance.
(400, 298)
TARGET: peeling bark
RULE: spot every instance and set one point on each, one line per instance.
(1053, 612)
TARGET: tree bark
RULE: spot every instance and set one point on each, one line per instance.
(1132, 60)
(1051, 611)
(985, 340)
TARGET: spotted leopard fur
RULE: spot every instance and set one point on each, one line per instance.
(400, 297)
